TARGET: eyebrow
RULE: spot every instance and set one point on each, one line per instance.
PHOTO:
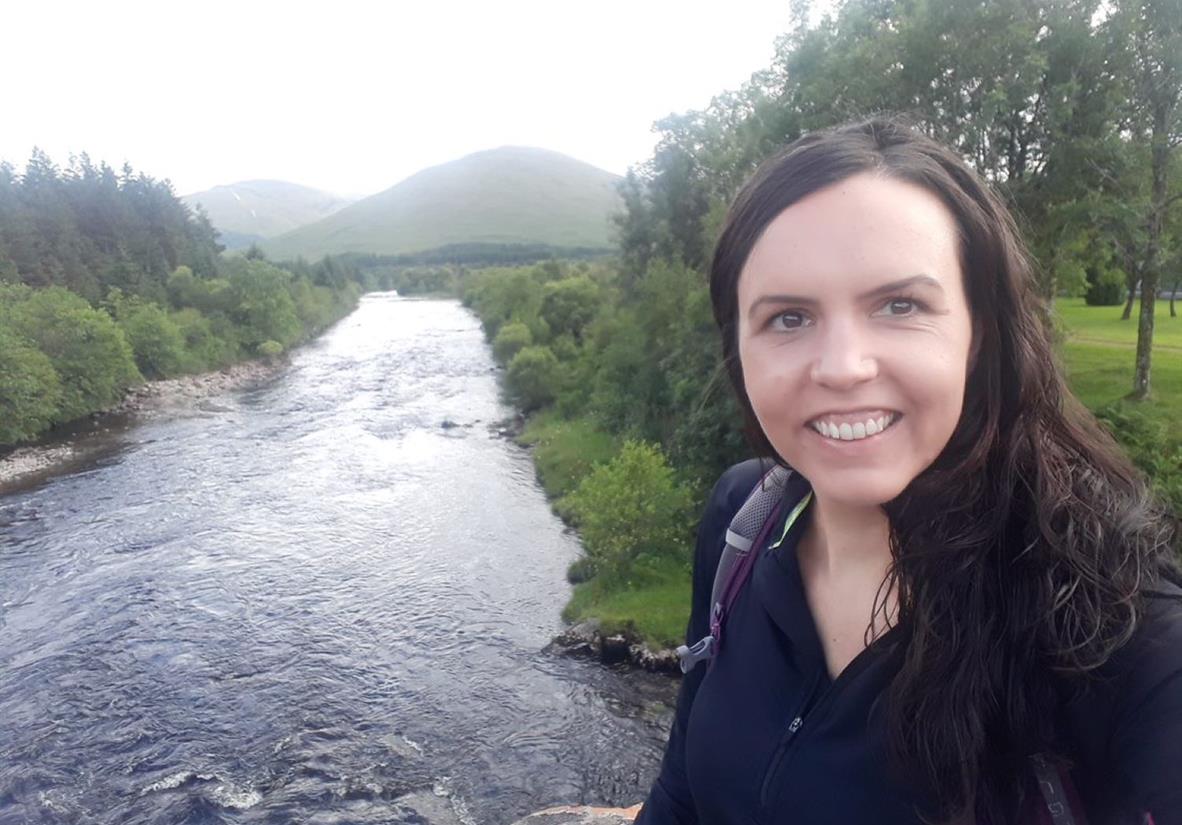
(878, 292)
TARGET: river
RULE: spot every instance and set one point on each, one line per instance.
(312, 602)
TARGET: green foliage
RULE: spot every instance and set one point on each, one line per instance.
(1149, 444)
(156, 340)
(30, 391)
(569, 305)
(532, 377)
(1105, 288)
(87, 236)
(654, 607)
(632, 513)
(270, 349)
(566, 451)
(510, 340)
(263, 305)
(87, 350)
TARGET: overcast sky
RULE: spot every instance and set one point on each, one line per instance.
(352, 97)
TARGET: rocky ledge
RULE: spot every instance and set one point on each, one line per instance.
(586, 639)
(582, 815)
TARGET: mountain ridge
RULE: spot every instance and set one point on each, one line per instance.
(505, 195)
(250, 211)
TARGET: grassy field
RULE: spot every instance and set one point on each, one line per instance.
(1097, 354)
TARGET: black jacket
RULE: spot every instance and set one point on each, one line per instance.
(765, 736)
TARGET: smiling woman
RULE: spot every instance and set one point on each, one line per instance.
(974, 607)
(837, 335)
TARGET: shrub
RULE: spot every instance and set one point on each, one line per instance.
(156, 341)
(263, 306)
(1148, 444)
(532, 377)
(511, 339)
(270, 349)
(1105, 288)
(89, 352)
(632, 514)
(30, 390)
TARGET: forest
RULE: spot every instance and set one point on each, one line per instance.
(107, 280)
(1071, 110)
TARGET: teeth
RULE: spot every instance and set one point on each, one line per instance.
(854, 432)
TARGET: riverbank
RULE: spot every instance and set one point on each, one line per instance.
(73, 443)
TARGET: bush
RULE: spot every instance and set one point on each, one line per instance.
(1149, 446)
(532, 377)
(270, 349)
(30, 390)
(1105, 288)
(156, 341)
(511, 339)
(89, 352)
(632, 514)
(263, 306)
(204, 349)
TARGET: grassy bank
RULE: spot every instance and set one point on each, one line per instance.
(654, 603)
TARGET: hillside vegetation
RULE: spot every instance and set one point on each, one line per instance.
(252, 210)
(511, 195)
(107, 279)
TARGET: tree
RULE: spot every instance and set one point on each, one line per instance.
(532, 377)
(87, 350)
(1146, 38)
(569, 305)
(30, 390)
(631, 511)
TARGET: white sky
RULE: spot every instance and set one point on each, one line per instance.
(351, 96)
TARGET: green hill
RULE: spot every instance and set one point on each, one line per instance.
(249, 211)
(511, 195)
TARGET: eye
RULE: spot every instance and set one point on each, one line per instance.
(792, 319)
(900, 307)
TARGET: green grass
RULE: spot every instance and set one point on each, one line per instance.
(1102, 325)
(565, 451)
(656, 610)
(1098, 356)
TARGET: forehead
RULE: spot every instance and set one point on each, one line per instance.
(865, 230)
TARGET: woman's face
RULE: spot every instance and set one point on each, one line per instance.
(854, 336)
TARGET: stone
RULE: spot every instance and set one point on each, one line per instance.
(582, 815)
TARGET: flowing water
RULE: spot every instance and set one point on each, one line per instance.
(313, 601)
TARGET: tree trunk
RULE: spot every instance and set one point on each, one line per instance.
(1132, 285)
(1151, 273)
(1173, 295)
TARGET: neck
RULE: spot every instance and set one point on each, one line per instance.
(843, 540)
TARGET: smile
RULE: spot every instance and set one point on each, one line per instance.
(856, 430)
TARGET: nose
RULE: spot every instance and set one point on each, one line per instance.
(843, 359)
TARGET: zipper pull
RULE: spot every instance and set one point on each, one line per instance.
(795, 724)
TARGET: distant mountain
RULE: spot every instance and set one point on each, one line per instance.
(511, 195)
(252, 210)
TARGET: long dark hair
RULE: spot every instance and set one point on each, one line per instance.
(1021, 555)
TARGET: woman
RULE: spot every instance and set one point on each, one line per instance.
(978, 574)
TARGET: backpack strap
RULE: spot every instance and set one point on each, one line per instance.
(746, 535)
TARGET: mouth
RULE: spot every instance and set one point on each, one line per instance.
(854, 426)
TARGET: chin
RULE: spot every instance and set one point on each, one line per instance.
(859, 492)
